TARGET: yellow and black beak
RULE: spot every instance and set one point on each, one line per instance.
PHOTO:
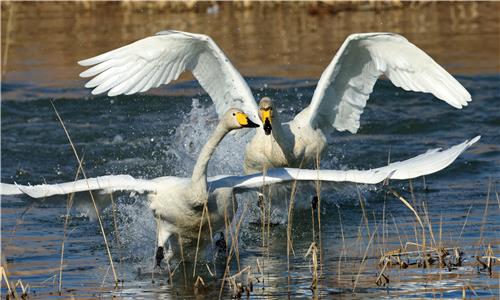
(244, 121)
(266, 117)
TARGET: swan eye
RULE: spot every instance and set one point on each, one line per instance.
(234, 114)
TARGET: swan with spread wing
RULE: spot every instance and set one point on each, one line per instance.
(338, 101)
(177, 203)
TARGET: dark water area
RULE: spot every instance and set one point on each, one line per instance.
(281, 52)
(149, 136)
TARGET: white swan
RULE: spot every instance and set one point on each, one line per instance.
(338, 101)
(177, 202)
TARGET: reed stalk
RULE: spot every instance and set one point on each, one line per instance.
(364, 259)
(91, 194)
(69, 205)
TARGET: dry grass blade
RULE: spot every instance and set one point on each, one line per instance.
(198, 240)
(232, 250)
(362, 203)
(381, 275)
(428, 221)
(407, 204)
(343, 245)
(182, 257)
(397, 230)
(465, 222)
(3, 276)
(364, 259)
(115, 225)
(318, 210)
(483, 222)
(90, 192)
(66, 220)
(313, 252)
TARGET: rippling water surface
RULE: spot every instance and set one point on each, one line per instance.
(161, 133)
(150, 136)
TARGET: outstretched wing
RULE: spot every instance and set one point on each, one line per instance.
(424, 164)
(430, 162)
(110, 183)
(346, 84)
(159, 59)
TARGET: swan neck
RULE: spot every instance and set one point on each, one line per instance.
(199, 177)
(279, 135)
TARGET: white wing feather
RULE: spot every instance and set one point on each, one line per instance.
(159, 59)
(430, 162)
(424, 164)
(109, 183)
(346, 84)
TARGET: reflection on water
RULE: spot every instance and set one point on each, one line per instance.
(43, 41)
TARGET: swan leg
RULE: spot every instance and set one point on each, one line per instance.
(220, 242)
(163, 236)
(314, 202)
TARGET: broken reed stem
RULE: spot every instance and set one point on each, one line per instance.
(426, 215)
(90, 192)
(480, 241)
(289, 244)
(230, 255)
(115, 224)
(318, 210)
(364, 259)
(465, 222)
(69, 204)
(269, 205)
(405, 202)
(498, 198)
(155, 250)
(361, 202)
(440, 231)
(397, 231)
(262, 207)
(210, 231)
(343, 245)
(3, 276)
(234, 241)
(183, 261)
(198, 240)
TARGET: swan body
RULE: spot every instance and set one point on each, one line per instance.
(338, 100)
(290, 144)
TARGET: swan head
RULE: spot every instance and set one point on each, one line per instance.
(236, 119)
(266, 114)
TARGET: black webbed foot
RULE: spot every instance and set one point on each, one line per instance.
(160, 255)
(221, 242)
(314, 202)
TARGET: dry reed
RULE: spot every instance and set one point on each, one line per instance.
(66, 220)
(90, 192)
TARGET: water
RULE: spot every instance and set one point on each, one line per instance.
(149, 136)
(281, 50)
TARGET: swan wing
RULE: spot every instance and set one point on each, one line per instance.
(159, 59)
(109, 183)
(346, 84)
(427, 163)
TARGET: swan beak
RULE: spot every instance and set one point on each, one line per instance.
(244, 121)
(251, 124)
(266, 116)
